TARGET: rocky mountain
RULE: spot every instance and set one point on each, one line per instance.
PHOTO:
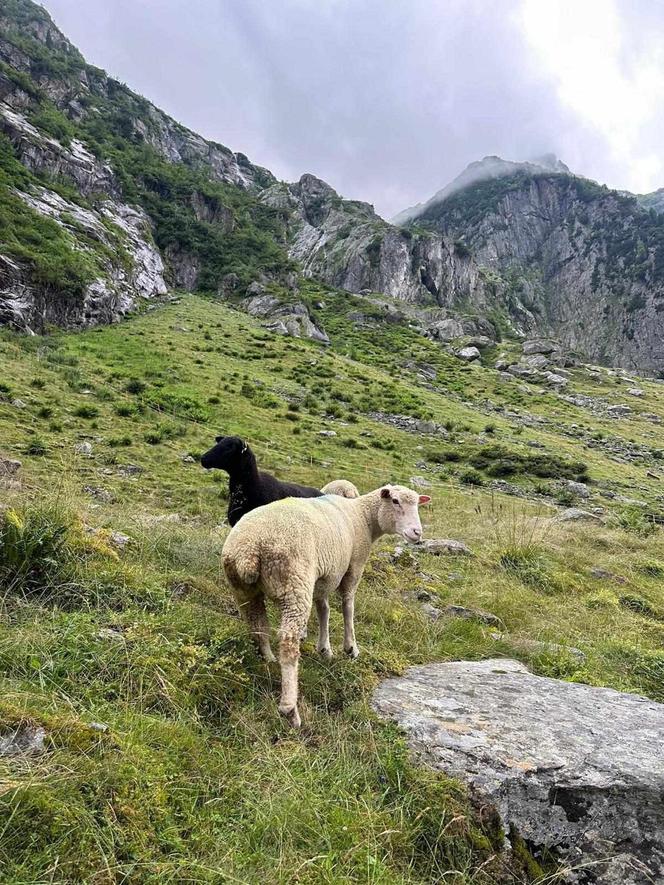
(107, 201)
(482, 170)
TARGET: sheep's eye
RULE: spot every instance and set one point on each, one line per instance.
(395, 500)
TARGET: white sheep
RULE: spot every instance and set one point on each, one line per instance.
(341, 487)
(295, 551)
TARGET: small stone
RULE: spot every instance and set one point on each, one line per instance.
(431, 611)
(438, 546)
(100, 494)
(186, 458)
(472, 614)
(420, 482)
(119, 540)
(9, 466)
(327, 433)
(635, 391)
(83, 448)
(130, 470)
(18, 403)
(99, 726)
(23, 740)
(605, 574)
(403, 557)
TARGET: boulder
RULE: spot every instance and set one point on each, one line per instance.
(447, 330)
(635, 391)
(537, 361)
(538, 346)
(469, 354)
(556, 380)
(573, 768)
(579, 489)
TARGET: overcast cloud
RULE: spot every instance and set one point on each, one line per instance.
(388, 100)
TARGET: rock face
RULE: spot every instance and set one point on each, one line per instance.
(477, 247)
(576, 769)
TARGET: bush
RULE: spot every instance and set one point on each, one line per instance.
(471, 477)
(135, 385)
(33, 549)
(636, 520)
(125, 410)
(638, 604)
(86, 411)
(530, 566)
(36, 447)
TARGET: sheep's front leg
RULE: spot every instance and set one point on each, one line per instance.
(323, 611)
(347, 589)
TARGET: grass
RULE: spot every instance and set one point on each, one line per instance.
(166, 758)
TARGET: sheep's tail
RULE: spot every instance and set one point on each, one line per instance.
(242, 567)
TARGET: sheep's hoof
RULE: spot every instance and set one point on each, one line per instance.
(291, 715)
(326, 652)
(352, 652)
(269, 658)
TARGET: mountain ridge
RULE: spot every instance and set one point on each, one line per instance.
(109, 202)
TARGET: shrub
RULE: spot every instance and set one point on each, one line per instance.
(634, 519)
(135, 385)
(33, 549)
(530, 566)
(117, 441)
(125, 410)
(638, 604)
(36, 447)
(471, 477)
(86, 411)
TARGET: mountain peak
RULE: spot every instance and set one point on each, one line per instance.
(490, 166)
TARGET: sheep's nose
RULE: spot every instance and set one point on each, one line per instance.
(416, 533)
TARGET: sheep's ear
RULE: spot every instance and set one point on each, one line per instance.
(424, 499)
(218, 438)
(385, 492)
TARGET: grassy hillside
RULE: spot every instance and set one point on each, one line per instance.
(165, 759)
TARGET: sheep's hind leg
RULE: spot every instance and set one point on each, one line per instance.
(323, 611)
(255, 614)
(292, 621)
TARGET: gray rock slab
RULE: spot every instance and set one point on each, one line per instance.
(575, 768)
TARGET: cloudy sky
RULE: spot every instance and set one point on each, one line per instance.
(388, 100)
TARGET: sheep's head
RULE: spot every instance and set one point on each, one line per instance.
(398, 513)
(230, 453)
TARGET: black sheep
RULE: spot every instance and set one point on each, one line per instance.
(249, 487)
